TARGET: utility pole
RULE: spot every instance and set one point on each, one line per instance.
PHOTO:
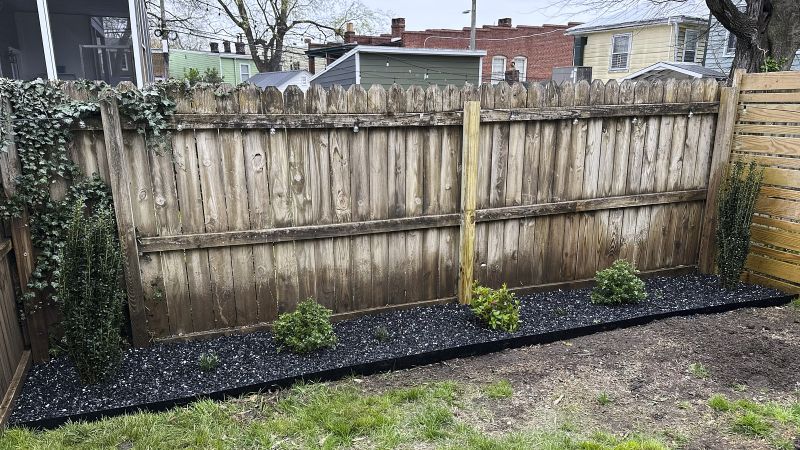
(472, 26)
(164, 41)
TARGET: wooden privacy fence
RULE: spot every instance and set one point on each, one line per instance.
(14, 359)
(355, 197)
(760, 116)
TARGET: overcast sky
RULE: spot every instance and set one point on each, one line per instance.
(422, 14)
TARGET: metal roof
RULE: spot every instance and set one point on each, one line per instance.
(645, 15)
(266, 79)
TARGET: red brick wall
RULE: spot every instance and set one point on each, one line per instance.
(545, 46)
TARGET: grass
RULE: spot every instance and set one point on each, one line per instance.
(698, 370)
(321, 416)
(604, 399)
(499, 389)
(795, 303)
(774, 422)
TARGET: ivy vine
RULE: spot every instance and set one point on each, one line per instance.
(39, 124)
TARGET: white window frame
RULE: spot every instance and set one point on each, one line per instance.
(725, 50)
(696, 44)
(627, 67)
(502, 75)
(523, 71)
(241, 72)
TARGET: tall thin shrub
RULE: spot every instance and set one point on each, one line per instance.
(737, 198)
(90, 294)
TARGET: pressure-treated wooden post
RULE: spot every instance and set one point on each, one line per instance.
(36, 315)
(120, 191)
(723, 140)
(469, 190)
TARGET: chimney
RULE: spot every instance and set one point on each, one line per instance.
(504, 22)
(349, 34)
(398, 27)
(214, 47)
(226, 45)
(240, 48)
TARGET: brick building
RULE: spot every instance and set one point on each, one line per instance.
(533, 50)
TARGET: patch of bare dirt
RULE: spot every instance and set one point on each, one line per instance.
(752, 353)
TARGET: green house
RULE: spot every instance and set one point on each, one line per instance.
(368, 65)
(235, 68)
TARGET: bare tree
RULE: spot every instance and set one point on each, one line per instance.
(765, 29)
(267, 25)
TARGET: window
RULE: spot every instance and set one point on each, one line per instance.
(690, 45)
(730, 45)
(521, 64)
(244, 70)
(620, 51)
(498, 69)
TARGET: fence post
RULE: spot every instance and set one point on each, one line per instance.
(36, 318)
(469, 190)
(120, 191)
(723, 140)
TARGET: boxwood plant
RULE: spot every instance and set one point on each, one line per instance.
(618, 284)
(497, 308)
(306, 329)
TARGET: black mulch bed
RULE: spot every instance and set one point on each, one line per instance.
(165, 375)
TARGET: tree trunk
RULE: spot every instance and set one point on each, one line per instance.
(767, 28)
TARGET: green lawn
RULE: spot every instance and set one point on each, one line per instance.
(324, 416)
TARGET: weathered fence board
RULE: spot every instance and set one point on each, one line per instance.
(14, 358)
(355, 197)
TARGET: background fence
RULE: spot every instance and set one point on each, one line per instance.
(354, 197)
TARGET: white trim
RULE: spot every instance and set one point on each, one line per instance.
(47, 39)
(241, 65)
(137, 44)
(725, 51)
(358, 68)
(696, 44)
(480, 71)
(665, 65)
(627, 67)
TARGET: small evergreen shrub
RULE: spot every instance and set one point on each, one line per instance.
(382, 334)
(737, 199)
(497, 308)
(618, 284)
(208, 362)
(306, 329)
(90, 294)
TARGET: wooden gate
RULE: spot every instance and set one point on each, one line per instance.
(14, 359)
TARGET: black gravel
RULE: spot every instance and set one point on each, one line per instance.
(168, 372)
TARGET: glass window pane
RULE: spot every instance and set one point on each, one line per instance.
(498, 69)
(21, 49)
(93, 41)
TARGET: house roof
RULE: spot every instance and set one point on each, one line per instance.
(645, 15)
(663, 69)
(266, 79)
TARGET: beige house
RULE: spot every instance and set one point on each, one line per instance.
(624, 44)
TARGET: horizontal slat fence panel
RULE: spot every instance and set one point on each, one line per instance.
(353, 196)
(768, 131)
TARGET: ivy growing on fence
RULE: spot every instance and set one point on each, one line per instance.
(39, 124)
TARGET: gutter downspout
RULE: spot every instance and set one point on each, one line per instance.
(708, 39)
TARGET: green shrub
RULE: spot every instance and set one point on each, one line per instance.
(90, 294)
(737, 198)
(497, 308)
(618, 284)
(382, 334)
(306, 329)
(208, 362)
